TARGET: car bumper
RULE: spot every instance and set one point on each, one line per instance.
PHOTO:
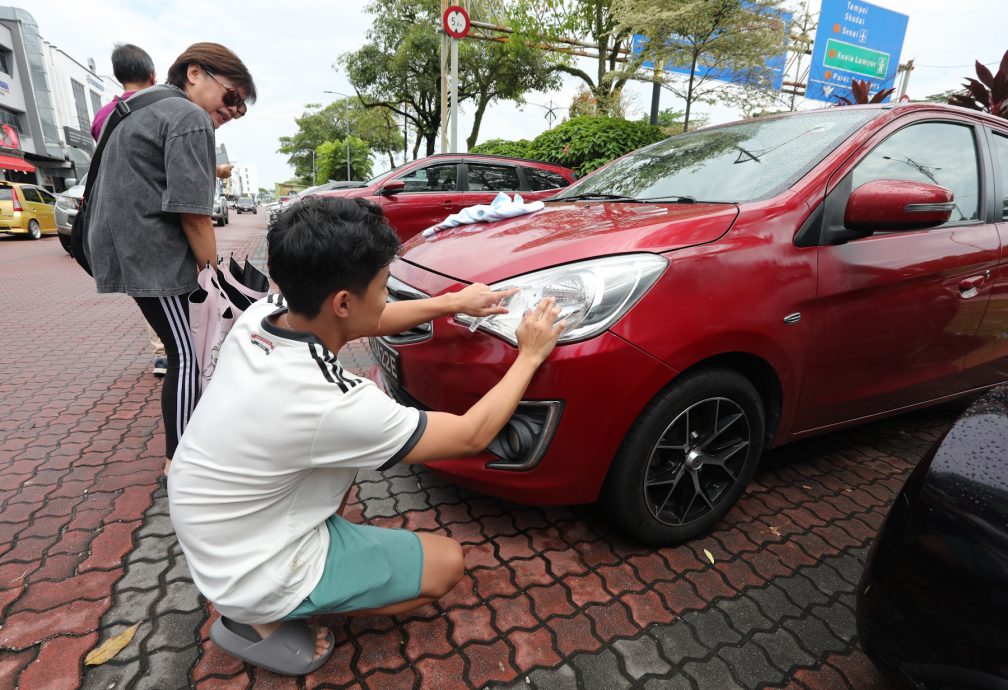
(597, 388)
(64, 220)
(16, 223)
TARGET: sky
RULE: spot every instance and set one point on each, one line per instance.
(291, 49)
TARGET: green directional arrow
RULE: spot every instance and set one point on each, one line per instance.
(852, 58)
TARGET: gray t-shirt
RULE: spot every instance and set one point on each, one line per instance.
(158, 163)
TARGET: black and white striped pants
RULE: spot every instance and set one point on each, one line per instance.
(169, 317)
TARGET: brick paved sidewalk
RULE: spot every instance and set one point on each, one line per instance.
(552, 597)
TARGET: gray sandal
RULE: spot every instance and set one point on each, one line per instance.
(290, 650)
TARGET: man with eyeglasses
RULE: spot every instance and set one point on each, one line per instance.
(149, 214)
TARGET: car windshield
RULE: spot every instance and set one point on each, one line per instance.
(382, 176)
(744, 161)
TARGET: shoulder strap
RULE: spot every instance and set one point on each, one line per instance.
(121, 110)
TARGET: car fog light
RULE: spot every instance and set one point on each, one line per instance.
(523, 441)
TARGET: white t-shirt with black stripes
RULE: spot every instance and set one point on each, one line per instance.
(271, 450)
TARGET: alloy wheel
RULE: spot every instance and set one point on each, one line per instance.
(696, 461)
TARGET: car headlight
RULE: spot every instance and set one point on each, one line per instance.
(591, 295)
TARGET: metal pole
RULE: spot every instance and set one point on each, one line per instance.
(346, 116)
(405, 135)
(444, 83)
(454, 96)
(907, 69)
(655, 97)
(314, 176)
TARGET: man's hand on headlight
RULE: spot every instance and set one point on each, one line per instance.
(539, 329)
(479, 300)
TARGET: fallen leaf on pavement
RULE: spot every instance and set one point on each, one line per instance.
(110, 647)
(710, 556)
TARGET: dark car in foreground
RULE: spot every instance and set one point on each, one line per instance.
(933, 600)
(424, 192)
(726, 291)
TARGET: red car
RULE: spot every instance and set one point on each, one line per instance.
(726, 291)
(424, 192)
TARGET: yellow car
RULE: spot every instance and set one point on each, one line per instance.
(26, 209)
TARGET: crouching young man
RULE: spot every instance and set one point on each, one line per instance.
(262, 472)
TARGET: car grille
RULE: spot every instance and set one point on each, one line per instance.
(397, 292)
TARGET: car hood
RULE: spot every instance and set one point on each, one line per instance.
(75, 192)
(349, 192)
(563, 233)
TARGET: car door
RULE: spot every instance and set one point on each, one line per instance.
(485, 180)
(31, 202)
(46, 210)
(431, 194)
(897, 313)
(988, 365)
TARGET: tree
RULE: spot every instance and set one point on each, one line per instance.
(707, 37)
(399, 67)
(671, 120)
(331, 158)
(319, 124)
(548, 21)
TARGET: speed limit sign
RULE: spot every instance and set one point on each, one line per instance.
(456, 21)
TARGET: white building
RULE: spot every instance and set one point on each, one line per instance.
(48, 99)
(246, 180)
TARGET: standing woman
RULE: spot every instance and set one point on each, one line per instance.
(149, 224)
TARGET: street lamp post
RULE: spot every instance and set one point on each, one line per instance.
(346, 118)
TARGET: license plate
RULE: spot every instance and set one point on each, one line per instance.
(387, 359)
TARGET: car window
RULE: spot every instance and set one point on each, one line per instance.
(540, 179)
(492, 178)
(47, 198)
(940, 153)
(5, 194)
(29, 194)
(433, 178)
(1001, 153)
(750, 160)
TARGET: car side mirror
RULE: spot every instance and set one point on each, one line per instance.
(69, 181)
(894, 205)
(392, 187)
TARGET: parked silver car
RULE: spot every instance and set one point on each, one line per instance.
(67, 204)
(220, 210)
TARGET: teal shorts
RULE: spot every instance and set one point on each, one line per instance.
(366, 568)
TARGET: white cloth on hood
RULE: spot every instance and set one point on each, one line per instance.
(500, 208)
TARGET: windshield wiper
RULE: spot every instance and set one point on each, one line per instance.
(596, 196)
(674, 198)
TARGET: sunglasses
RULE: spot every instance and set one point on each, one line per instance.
(232, 98)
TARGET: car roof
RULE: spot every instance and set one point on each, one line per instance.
(494, 156)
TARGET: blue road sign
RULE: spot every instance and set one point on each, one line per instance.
(855, 40)
(775, 64)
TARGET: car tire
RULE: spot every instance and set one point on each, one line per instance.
(702, 436)
(255, 212)
(227, 219)
(34, 229)
(219, 222)
(65, 241)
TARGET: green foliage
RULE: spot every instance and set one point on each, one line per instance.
(545, 21)
(502, 147)
(318, 124)
(586, 143)
(399, 66)
(331, 156)
(729, 35)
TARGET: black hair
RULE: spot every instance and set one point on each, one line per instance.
(321, 245)
(131, 64)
